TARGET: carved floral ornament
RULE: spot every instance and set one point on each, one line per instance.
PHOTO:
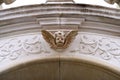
(28, 44)
(104, 47)
(59, 39)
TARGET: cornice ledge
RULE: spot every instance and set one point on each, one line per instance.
(52, 9)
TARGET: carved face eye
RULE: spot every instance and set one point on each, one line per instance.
(62, 39)
(58, 38)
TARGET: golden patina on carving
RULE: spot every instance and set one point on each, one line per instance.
(59, 39)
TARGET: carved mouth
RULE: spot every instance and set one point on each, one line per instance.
(60, 44)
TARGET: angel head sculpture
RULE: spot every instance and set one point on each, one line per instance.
(59, 39)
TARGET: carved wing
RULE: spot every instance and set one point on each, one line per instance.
(69, 38)
(48, 38)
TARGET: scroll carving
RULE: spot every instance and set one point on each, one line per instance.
(104, 47)
(13, 48)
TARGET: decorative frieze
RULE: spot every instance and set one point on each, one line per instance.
(14, 47)
(102, 46)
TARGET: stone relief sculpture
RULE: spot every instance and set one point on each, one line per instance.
(59, 39)
(14, 48)
(100, 46)
(6, 1)
(113, 1)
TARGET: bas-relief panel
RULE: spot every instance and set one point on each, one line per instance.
(101, 46)
(27, 44)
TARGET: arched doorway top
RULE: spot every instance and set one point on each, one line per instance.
(63, 68)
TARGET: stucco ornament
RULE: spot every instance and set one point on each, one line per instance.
(59, 39)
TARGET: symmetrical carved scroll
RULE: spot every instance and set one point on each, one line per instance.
(105, 47)
(12, 48)
(59, 39)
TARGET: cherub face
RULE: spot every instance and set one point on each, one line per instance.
(59, 38)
